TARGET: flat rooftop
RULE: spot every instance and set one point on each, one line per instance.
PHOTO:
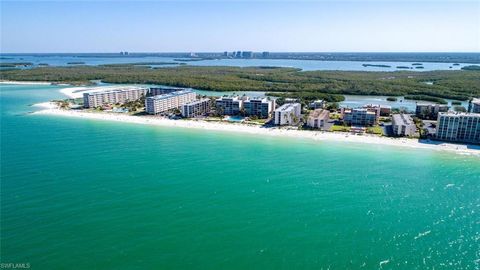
(287, 107)
(451, 113)
(116, 90)
(173, 94)
(404, 119)
(197, 101)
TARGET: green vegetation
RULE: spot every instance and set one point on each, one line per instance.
(456, 103)
(18, 64)
(76, 63)
(419, 67)
(417, 64)
(420, 127)
(392, 99)
(331, 106)
(329, 85)
(427, 98)
(135, 105)
(471, 67)
(375, 130)
(403, 67)
(459, 109)
(63, 104)
(340, 128)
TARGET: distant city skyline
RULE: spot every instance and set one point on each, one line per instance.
(217, 26)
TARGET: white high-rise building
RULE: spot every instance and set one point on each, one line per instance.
(162, 103)
(474, 105)
(261, 107)
(287, 114)
(403, 125)
(196, 108)
(229, 105)
(120, 95)
(458, 127)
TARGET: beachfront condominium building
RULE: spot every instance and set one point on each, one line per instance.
(196, 108)
(288, 114)
(120, 95)
(458, 127)
(261, 107)
(382, 110)
(360, 117)
(229, 105)
(317, 104)
(403, 125)
(156, 91)
(474, 105)
(163, 103)
(429, 111)
(318, 118)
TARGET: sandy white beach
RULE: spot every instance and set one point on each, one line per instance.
(25, 82)
(257, 130)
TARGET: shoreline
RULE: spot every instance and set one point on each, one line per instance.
(465, 149)
(25, 82)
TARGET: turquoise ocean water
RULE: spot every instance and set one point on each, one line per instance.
(85, 194)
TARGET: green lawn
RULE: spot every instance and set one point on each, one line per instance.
(375, 130)
(340, 128)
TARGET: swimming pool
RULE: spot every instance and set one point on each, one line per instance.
(235, 118)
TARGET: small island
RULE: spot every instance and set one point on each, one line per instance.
(14, 65)
(375, 65)
(417, 64)
(426, 98)
(76, 63)
(471, 67)
(392, 99)
(403, 67)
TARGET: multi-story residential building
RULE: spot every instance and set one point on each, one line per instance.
(382, 110)
(196, 108)
(317, 104)
(403, 125)
(458, 127)
(120, 95)
(429, 111)
(247, 54)
(229, 105)
(287, 114)
(261, 107)
(318, 118)
(360, 117)
(156, 91)
(162, 103)
(474, 105)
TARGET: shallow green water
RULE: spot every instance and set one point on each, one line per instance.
(84, 194)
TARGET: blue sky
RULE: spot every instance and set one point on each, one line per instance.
(183, 26)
